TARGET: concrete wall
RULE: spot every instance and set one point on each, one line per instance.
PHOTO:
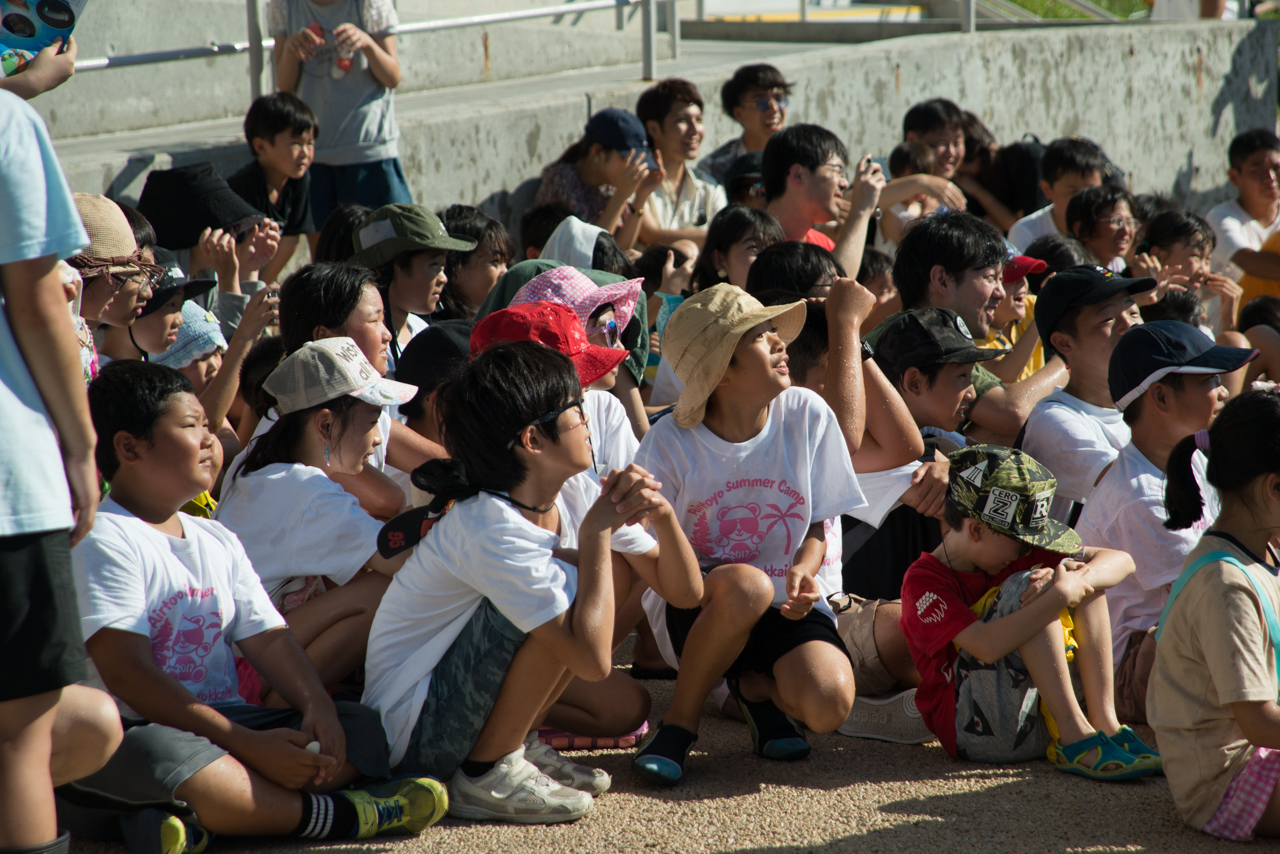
(1164, 100)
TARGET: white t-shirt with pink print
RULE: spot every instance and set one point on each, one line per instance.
(753, 502)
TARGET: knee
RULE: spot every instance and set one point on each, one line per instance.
(633, 706)
(743, 588)
(93, 731)
(830, 708)
(104, 727)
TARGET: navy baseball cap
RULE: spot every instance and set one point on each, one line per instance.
(1146, 354)
(171, 281)
(621, 131)
(1084, 284)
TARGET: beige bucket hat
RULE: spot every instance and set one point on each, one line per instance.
(702, 334)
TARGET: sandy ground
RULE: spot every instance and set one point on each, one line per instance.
(849, 795)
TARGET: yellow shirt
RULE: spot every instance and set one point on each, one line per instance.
(998, 340)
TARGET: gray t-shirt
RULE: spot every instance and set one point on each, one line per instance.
(356, 113)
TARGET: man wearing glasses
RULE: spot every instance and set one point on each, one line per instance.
(756, 97)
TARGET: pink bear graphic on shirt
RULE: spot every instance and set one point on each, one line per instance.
(738, 534)
(193, 643)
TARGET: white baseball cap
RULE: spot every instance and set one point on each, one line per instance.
(327, 369)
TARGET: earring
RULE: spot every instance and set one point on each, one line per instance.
(724, 274)
(326, 452)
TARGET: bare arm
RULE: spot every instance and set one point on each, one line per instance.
(672, 568)
(891, 438)
(36, 306)
(651, 234)
(847, 304)
(380, 51)
(864, 194)
(406, 450)
(1003, 217)
(379, 495)
(221, 392)
(1259, 721)
(1003, 411)
(1010, 366)
(802, 588)
(47, 70)
(289, 53)
(901, 189)
(626, 390)
(990, 642)
(1264, 265)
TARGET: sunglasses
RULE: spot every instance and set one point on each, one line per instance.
(553, 415)
(763, 104)
(611, 331)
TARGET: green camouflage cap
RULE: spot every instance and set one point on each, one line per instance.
(1009, 492)
(393, 229)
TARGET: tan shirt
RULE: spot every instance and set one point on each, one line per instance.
(1214, 650)
(693, 207)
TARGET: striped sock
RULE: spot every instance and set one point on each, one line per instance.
(326, 817)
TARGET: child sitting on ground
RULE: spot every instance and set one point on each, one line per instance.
(308, 539)
(510, 593)
(1212, 699)
(755, 470)
(1014, 326)
(988, 638)
(163, 596)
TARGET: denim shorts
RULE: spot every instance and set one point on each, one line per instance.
(373, 185)
(464, 687)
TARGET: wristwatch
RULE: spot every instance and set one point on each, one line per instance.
(867, 352)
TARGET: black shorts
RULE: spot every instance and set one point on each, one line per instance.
(40, 640)
(772, 637)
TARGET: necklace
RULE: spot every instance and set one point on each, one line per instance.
(947, 554)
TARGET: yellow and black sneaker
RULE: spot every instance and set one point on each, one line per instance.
(406, 805)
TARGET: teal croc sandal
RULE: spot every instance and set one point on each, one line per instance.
(1128, 740)
(774, 735)
(1113, 763)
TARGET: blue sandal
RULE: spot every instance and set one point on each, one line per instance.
(1113, 762)
(1128, 740)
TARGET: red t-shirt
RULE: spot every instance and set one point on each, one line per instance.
(935, 608)
(817, 238)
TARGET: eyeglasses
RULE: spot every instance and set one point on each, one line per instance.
(1121, 222)
(556, 413)
(119, 280)
(763, 104)
(839, 168)
(611, 332)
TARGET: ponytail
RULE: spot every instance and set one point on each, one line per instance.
(1182, 499)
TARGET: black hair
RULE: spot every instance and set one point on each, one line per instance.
(131, 396)
(1183, 306)
(657, 102)
(1170, 228)
(1260, 311)
(810, 146)
(762, 76)
(978, 140)
(319, 295)
(278, 112)
(1087, 206)
(934, 114)
(794, 267)
(608, 257)
(337, 241)
(955, 240)
(874, 265)
(263, 357)
(911, 158)
(1133, 411)
(811, 345)
(1058, 252)
(143, 234)
(1147, 206)
(731, 225)
(894, 372)
(487, 232)
(1072, 155)
(1244, 444)
(537, 224)
(650, 265)
(495, 396)
(1249, 143)
(279, 444)
(953, 514)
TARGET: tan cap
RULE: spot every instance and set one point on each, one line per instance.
(702, 334)
(324, 370)
(110, 236)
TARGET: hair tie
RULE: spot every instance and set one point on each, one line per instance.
(1202, 440)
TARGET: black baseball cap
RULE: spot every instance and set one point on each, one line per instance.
(621, 131)
(171, 281)
(433, 354)
(743, 170)
(929, 336)
(1146, 354)
(1084, 284)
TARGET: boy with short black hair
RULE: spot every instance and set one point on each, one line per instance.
(985, 632)
(756, 97)
(682, 206)
(1070, 164)
(939, 124)
(281, 130)
(538, 223)
(1245, 225)
(163, 596)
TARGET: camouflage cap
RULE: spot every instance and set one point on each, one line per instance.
(393, 229)
(1009, 492)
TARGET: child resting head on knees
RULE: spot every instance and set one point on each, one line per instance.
(303, 532)
(757, 471)
(1212, 698)
(509, 592)
(163, 597)
(986, 629)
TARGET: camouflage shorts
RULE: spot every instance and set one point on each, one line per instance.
(464, 687)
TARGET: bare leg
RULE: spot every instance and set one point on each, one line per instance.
(630, 614)
(1045, 657)
(1269, 824)
(733, 600)
(891, 644)
(86, 732)
(531, 681)
(1093, 660)
(812, 683)
(616, 706)
(26, 787)
(230, 798)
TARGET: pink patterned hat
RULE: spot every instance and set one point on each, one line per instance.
(567, 286)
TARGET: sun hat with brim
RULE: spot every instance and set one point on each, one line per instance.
(328, 369)
(553, 325)
(1008, 491)
(567, 286)
(111, 248)
(181, 203)
(1151, 351)
(171, 281)
(393, 229)
(199, 335)
(702, 334)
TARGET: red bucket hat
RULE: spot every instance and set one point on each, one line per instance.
(552, 324)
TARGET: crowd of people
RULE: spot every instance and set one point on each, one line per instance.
(983, 449)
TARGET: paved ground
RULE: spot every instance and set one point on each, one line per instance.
(849, 795)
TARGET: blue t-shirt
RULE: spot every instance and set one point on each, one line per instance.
(41, 220)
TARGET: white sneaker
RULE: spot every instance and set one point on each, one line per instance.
(514, 790)
(584, 778)
(893, 717)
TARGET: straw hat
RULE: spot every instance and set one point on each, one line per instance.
(702, 334)
(111, 246)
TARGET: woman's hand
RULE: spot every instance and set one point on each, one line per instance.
(304, 42)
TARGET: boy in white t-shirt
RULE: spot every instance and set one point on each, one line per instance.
(755, 471)
(1076, 432)
(163, 596)
(1245, 223)
(1070, 165)
(1165, 376)
(511, 592)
